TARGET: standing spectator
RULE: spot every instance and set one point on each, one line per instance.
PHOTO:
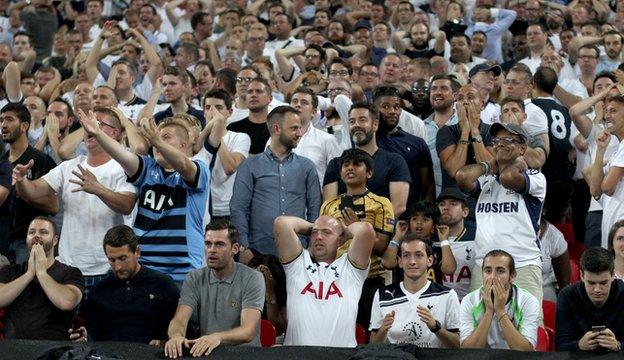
(493, 24)
(537, 36)
(227, 296)
(94, 195)
(173, 194)
(133, 303)
(257, 98)
(616, 246)
(510, 199)
(40, 19)
(589, 313)
(320, 285)
(441, 98)
(272, 183)
(393, 318)
(555, 260)
(15, 121)
(489, 319)
(390, 178)
(483, 77)
(39, 296)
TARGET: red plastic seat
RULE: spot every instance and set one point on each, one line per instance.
(575, 272)
(543, 340)
(551, 336)
(268, 334)
(567, 229)
(575, 249)
(549, 309)
(360, 334)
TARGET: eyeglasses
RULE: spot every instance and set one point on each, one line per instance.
(244, 80)
(101, 124)
(338, 91)
(506, 141)
(371, 74)
(342, 73)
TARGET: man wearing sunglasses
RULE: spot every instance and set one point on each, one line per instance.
(509, 202)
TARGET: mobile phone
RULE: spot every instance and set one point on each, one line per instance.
(346, 201)
(598, 328)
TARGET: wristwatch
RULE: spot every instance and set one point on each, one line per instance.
(437, 327)
(477, 139)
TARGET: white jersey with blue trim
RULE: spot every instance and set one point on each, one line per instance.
(509, 220)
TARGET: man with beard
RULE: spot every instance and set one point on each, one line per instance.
(58, 122)
(419, 42)
(133, 303)
(510, 199)
(275, 175)
(93, 193)
(226, 296)
(453, 211)
(39, 296)
(493, 23)
(323, 289)
(336, 33)
(363, 36)
(519, 48)
(312, 56)
(613, 42)
(412, 149)
(499, 314)
(257, 98)
(391, 177)
(441, 99)
(478, 43)
(15, 121)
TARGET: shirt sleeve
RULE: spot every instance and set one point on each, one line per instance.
(55, 177)
(376, 318)
(536, 122)
(618, 158)
(253, 297)
(332, 174)
(313, 193)
(399, 170)
(240, 202)
(466, 326)
(530, 321)
(190, 293)
(241, 144)
(384, 219)
(558, 243)
(444, 139)
(535, 184)
(451, 322)
(564, 337)
(5, 174)
(74, 277)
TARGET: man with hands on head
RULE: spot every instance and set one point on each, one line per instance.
(509, 203)
(171, 186)
(239, 290)
(323, 289)
(499, 315)
(590, 316)
(39, 296)
(393, 317)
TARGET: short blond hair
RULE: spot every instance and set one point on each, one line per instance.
(182, 127)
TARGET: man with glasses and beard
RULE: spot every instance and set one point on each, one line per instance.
(508, 209)
(39, 296)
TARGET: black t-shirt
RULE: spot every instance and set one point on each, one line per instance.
(259, 134)
(416, 154)
(5, 207)
(23, 213)
(388, 167)
(421, 53)
(32, 315)
(135, 310)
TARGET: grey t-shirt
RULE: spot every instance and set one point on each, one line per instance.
(219, 302)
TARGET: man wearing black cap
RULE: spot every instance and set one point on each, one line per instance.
(453, 210)
(364, 36)
(510, 199)
(483, 77)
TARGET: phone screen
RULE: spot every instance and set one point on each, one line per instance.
(598, 328)
(346, 201)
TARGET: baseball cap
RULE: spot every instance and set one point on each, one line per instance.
(512, 128)
(363, 24)
(495, 68)
(451, 193)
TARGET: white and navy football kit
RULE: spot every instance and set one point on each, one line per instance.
(408, 328)
(613, 206)
(509, 220)
(463, 248)
(322, 301)
(523, 310)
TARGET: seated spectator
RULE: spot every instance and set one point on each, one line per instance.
(275, 284)
(423, 221)
(499, 315)
(360, 204)
(509, 201)
(590, 316)
(238, 288)
(40, 296)
(393, 318)
(323, 290)
(555, 260)
(133, 303)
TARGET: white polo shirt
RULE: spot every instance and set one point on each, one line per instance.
(320, 147)
(322, 301)
(408, 328)
(509, 220)
(523, 310)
